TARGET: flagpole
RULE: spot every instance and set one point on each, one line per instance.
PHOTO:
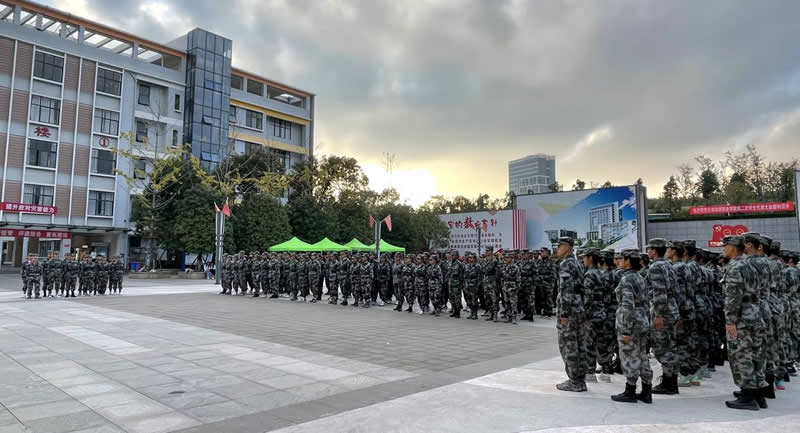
(218, 273)
(378, 240)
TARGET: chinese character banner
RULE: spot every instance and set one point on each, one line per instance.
(503, 229)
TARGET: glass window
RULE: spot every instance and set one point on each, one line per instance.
(178, 103)
(255, 87)
(103, 161)
(144, 94)
(281, 128)
(250, 148)
(232, 114)
(174, 137)
(47, 247)
(254, 119)
(109, 81)
(38, 194)
(44, 109)
(106, 121)
(139, 168)
(141, 131)
(101, 203)
(42, 153)
(48, 67)
(236, 82)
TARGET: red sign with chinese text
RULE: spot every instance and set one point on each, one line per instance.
(720, 231)
(44, 234)
(723, 209)
(29, 208)
(42, 131)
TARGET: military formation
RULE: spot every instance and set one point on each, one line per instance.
(691, 308)
(508, 286)
(52, 277)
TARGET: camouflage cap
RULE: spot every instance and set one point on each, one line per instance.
(631, 253)
(566, 240)
(776, 245)
(690, 243)
(676, 244)
(489, 248)
(736, 241)
(766, 241)
(752, 237)
(657, 243)
(592, 252)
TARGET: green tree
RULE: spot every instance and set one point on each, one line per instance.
(708, 185)
(194, 220)
(608, 184)
(350, 217)
(671, 197)
(431, 231)
(555, 187)
(260, 222)
(579, 185)
(310, 221)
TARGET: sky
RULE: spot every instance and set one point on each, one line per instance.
(454, 89)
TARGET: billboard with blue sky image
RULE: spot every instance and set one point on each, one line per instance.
(603, 218)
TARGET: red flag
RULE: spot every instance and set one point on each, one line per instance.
(226, 210)
(485, 226)
(216, 208)
(371, 221)
(388, 221)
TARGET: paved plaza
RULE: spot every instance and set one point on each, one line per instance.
(172, 355)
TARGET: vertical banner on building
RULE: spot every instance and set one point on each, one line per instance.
(606, 218)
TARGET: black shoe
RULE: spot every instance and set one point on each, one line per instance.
(514, 319)
(528, 317)
(410, 309)
(758, 394)
(344, 303)
(273, 296)
(355, 304)
(436, 312)
(313, 300)
(786, 377)
(457, 314)
(293, 298)
(646, 395)
(490, 318)
(668, 386)
(745, 402)
(769, 390)
(399, 307)
(628, 396)
(256, 295)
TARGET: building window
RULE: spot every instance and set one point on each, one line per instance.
(141, 131)
(44, 109)
(254, 119)
(38, 194)
(42, 153)
(101, 203)
(106, 121)
(103, 161)
(178, 103)
(174, 138)
(236, 82)
(109, 81)
(281, 128)
(140, 168)
(48, 67)
(232, 114)
(250, 148)
(144, 94)
(255, 87)
(47, 247)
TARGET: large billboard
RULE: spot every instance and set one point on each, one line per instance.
(474, 231)
(603, 218)
(797, 193)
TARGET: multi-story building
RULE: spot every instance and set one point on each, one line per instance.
(84, 108)
(600, 216)
(532, 174)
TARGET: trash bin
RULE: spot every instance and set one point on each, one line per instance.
(134, 266)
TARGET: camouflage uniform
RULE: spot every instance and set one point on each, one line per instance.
(779, 322)
(367, 280)
(333, 280)
(101, 278)
(546, 276)
(408, 283)
(472, 282)
(116, 274)
(397, 282)
(88, 276)
(766, 348)
(45, 264)
(684, 333)
(696, 285)
(489, 270)
(71, 270)
(33, 273)
(661, 290)
(435, 279)
(301, 272)
(55, 277)
(292, 286)
(597, 343)
(384, 279)
(421, 284)
(509, 284)
(742, 310)
(527, 291)
(343, 276)
(571, 339)
(633, 319)
(455, 283)
(314, 279)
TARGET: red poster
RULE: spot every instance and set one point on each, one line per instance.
(29, 208)
(27, 233)
(723, 209)
(720, 231)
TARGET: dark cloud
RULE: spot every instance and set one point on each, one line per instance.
(476, 83)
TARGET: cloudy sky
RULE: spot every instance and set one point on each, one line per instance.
(455, 88)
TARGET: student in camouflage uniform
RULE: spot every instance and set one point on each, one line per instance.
(633, 330)
(421, 284)
(696, 286)
(367, 279)
(684, 327)
(793, 281)
(779, 310)
(87, 276)
(101, 278)
(571, 325)
(45, 264)
(527, 290)
(314, 278)
(71, 269)
(661, 287)
(343, 277)
(33, 274)
(547, 275)
(224, 274)
(301, 272)
(597, 344)
(744, 325)
(435, 279)
(292, 286)
(472, 283)
(116, 274)
(398, 268)
(384, 279)
(489, 270)
(766, 356)
(610, 303)
(55, 276)
(409, 290)
(333, 278)
(455, 283)
(354, 274)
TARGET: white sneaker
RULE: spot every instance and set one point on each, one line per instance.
(605, 378)
(380, 303)
(591, 378)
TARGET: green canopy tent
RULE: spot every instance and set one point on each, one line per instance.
(386, 247)
(292, 244)
(329, 245)
(356, 245)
